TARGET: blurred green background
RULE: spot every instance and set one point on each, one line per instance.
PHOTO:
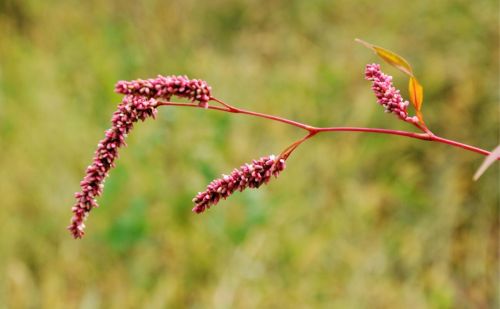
(356, 220)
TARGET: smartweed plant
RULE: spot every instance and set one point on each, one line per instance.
(142, 98)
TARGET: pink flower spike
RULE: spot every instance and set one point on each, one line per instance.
(131, 110)
(247, 176)
(165, 87)
(387, 95)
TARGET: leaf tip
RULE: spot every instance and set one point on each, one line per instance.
(490, 159)
(366, 44)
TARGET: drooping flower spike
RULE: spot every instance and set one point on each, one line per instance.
(164, 87)
(247, 176)
(132, 109)
(139, 103)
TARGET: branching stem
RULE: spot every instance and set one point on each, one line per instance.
(312, 131)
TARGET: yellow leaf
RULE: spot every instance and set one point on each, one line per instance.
(416, 93)
(390, 57)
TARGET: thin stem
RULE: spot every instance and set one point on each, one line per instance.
(315, 130)
(423, 128)
(230, 109)
(421, 136)
(193, 105)
(460, 145)
(288, 151)
(275, 118)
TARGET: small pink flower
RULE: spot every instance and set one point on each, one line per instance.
(131, 110)
(166, 87)
(247, 176)
(387, 95)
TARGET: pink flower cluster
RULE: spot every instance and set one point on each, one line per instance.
(387, 95)
(247, 176)
(166, 87)
(132, 109)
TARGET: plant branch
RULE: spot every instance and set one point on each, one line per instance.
(288, 151)
(315, 130)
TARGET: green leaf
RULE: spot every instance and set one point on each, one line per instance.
(390, 57)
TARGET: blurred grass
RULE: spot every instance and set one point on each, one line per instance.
(355, 221)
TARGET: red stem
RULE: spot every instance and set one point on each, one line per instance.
(421, 136)
(315, 130)
(461, 145)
